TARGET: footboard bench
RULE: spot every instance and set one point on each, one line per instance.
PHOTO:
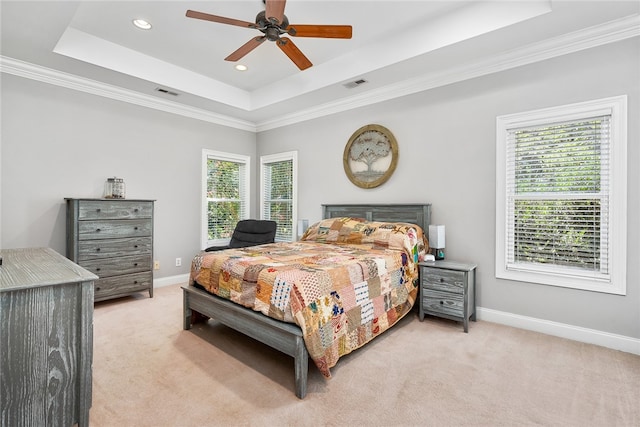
(282, 336)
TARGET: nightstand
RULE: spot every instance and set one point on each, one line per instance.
(448, 290)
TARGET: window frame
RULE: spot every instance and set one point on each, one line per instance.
(616, 107)
(246, 194)
(280, 157)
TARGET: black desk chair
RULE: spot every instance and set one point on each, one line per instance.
(250, 232)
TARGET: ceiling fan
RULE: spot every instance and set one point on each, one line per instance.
(273, 23)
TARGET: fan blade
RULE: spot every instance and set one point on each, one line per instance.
(274, 10)
(324, 31)
(219, 19)
(291, 50)
(246, 48)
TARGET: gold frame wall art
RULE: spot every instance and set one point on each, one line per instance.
(370, 157)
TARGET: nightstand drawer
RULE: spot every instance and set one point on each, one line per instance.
(443, 302)
(444, 280)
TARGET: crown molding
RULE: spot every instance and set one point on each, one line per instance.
(70, 81)
(591, 37)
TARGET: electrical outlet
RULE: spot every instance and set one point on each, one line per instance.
(178, 262)
(156, 265)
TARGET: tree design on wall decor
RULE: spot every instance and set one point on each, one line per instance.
(370, 156)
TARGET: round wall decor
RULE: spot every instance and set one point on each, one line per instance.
(370, 156)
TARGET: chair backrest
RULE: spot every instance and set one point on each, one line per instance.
(252, 232)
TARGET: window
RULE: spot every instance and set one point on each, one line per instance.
(278, 188)
(225, 190)
(561, 196)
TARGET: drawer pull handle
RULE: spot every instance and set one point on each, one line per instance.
(441, 302)
(98, 210)
(135, 228)
(441, 279)
(135, 264)
(135, 282)
(97, 230)
(135, 210)
(135, 246)
(98, 269)
(97, 249)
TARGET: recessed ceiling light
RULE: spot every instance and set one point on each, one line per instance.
(241, 67)
(142, 24)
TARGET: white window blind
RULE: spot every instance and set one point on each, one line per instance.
(278, 189)
(558, 196)
(226, 195)
(561, 196)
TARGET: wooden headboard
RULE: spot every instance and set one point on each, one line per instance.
(419, 214)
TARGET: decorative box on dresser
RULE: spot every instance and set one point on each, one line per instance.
(448, 290)
(46, 339)
(113, 238)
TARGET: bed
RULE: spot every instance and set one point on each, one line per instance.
(351, 277)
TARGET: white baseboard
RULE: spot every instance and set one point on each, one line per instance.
(562, 330)
(171, 280)
(576, 333)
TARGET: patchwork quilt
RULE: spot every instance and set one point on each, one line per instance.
(347, 281)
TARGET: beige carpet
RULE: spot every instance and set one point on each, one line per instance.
(147, 371)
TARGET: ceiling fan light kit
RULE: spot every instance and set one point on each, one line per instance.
(273, 23)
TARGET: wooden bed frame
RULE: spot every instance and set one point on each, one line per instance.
(287, 337)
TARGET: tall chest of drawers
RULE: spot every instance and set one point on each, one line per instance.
(112, 238)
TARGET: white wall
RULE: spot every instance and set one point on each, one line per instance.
(59, 143)
(446, 139)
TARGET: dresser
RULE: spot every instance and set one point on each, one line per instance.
(448, 290)
(46, 339)
(113, 238)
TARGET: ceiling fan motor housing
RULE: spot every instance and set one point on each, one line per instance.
(269, 28)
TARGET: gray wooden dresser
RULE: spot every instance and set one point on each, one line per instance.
(113, 238)
(46, 339)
